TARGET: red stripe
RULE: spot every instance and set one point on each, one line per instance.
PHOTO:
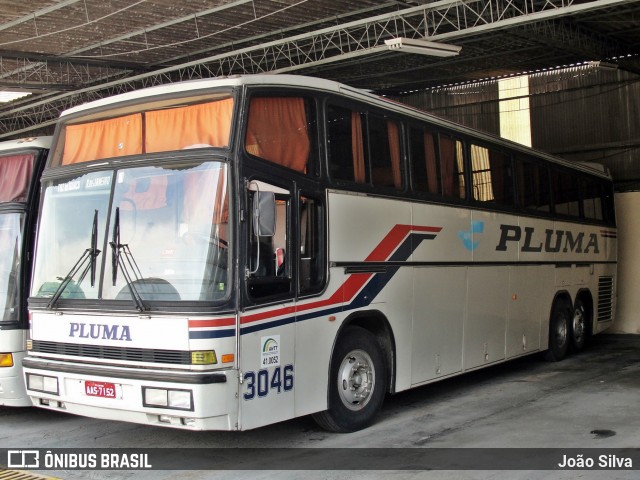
(389, 243)
(213, 322)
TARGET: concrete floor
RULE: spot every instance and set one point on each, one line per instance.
(589, 400)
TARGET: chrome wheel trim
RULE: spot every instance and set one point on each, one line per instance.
(356, 380)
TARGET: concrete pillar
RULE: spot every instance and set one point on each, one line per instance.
(627, 318)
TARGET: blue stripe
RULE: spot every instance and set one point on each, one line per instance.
(194, 335)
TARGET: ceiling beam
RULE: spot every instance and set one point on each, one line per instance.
(445, 20)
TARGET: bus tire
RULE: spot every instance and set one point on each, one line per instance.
(357, 382)
(559, 331)
(579, 326)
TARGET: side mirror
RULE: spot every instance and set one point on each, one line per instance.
(264, 214)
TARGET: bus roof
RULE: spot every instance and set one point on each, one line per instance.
(22, 143)
(204, 84)
(319, 84)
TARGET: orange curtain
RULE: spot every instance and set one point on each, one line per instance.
(499, 164)
(197, 182)
(15, 177)
(430, 158)
(394, 152)
(357, 148)
(277, 131)
(447, 159)
(206, 124)
(115, 137)
(147, 194)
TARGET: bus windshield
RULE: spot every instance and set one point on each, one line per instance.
(10, 246)
(165, 238)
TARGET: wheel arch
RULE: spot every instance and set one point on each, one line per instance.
(377, 323)
(560, 296)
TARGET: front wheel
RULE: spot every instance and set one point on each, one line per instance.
(357, 382)
(559, 328)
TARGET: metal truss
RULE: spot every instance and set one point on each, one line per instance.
(446, 20)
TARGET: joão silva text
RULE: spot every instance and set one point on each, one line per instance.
(604, 461)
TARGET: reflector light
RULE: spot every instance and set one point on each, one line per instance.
(227, 358)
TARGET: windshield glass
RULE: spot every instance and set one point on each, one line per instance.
(10, 246)
(166, 239)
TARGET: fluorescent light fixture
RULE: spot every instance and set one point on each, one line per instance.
(423, 47)
(604, 65)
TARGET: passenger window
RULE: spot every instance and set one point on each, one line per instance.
(452, 167)
(280, 130)
(566, 196)
(591, 190)
(384, 152)
(492, 176)
(346, 145)
(532, 180)
(364, 148)
(424, 162)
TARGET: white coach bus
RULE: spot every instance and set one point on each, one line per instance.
(226, 254)
(21, 162)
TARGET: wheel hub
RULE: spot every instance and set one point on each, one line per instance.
(357, 379)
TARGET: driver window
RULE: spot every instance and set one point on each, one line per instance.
(268, 267)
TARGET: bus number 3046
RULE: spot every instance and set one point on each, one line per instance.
(262, 382)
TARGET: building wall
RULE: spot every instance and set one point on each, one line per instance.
(589, 114)
(583, 113)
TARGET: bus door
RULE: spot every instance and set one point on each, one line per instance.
(267, 314)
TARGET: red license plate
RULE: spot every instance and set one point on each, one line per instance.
(100, 389)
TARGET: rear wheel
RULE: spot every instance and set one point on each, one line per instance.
(579, 326)
(559, 328)
(357, 382)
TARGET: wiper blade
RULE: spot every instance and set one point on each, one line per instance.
(88, 257)
(118, 251)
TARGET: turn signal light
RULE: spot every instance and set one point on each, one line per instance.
(6, 360)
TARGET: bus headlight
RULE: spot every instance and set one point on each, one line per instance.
(42, 383)
(167, 398)
(6, 360)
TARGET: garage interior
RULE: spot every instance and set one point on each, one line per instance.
(562, 76)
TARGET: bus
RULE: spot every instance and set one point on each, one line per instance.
(228, 253)
(21, 163)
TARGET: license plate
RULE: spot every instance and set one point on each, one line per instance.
(100, 389)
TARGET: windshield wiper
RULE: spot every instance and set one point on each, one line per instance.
(118, 251)
(88, 257)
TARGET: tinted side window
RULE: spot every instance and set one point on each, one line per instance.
(492, 176)
(532, 181)
(592, 192)
(346, 145)
(566, 195)
(452, 167)
(384, 151)
(425, 175)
